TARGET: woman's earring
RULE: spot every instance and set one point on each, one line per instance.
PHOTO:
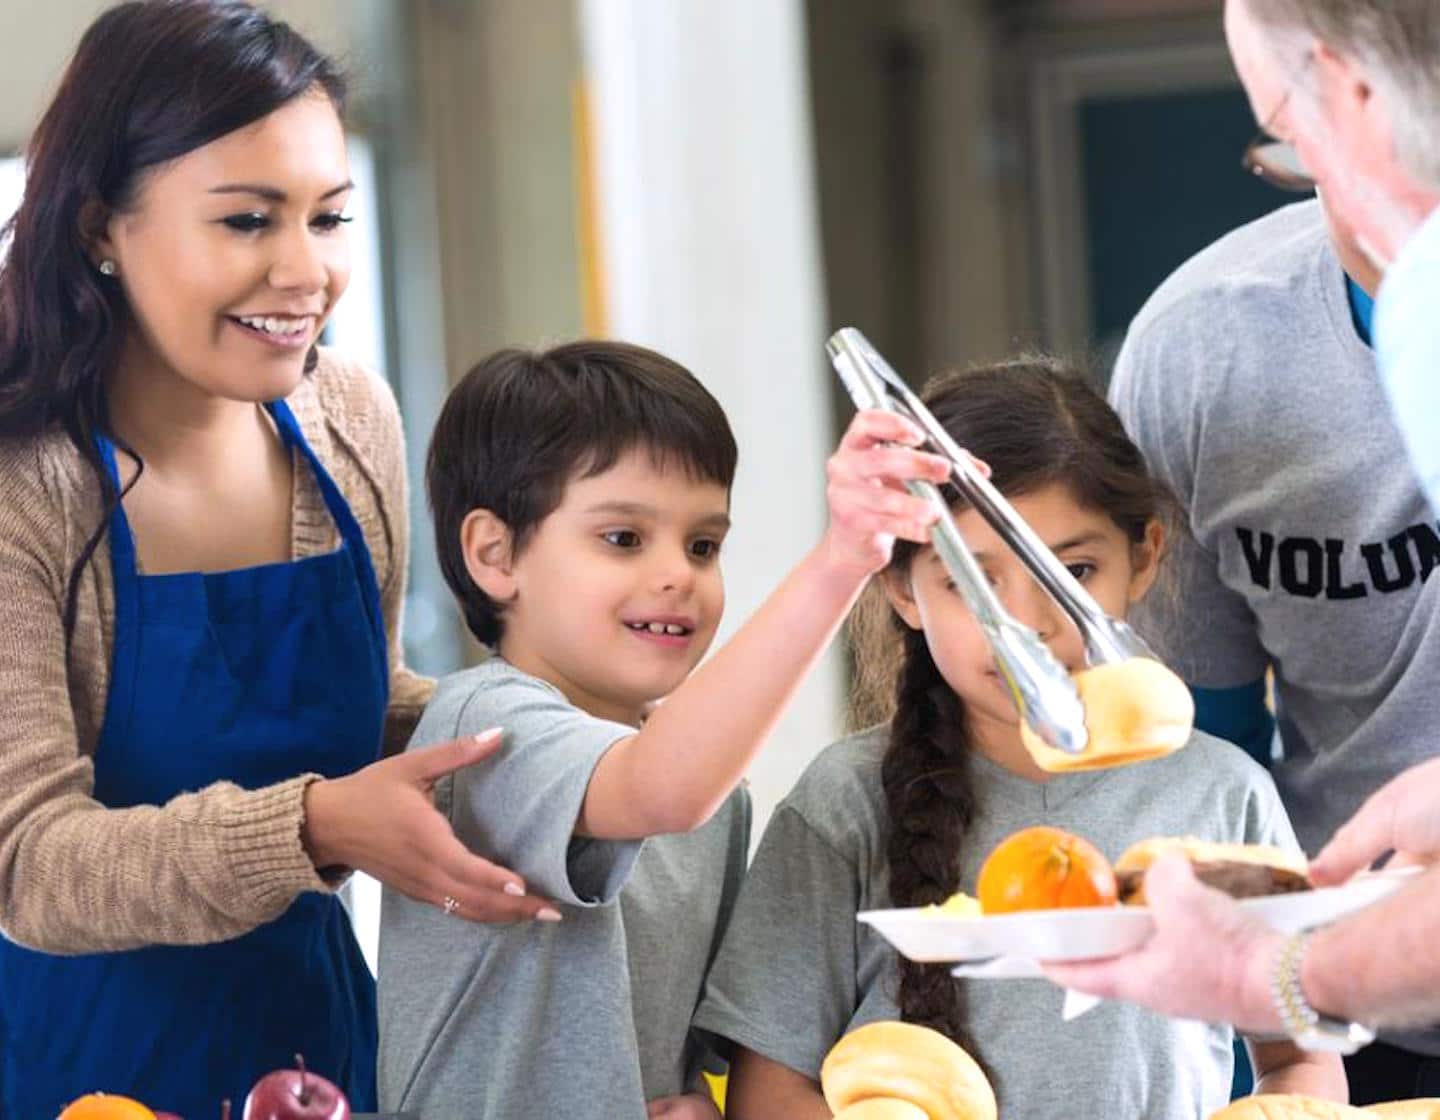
(107, 267)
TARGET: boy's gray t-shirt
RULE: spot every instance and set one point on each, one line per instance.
(796, 971)
(1248, 388)
(589, 1016)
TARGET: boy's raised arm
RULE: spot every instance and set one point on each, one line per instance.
(695, 748)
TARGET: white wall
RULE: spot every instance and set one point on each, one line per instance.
(710, 250)
(37, 38)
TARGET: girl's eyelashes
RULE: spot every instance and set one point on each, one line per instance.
(1082, 570)
(332, 221)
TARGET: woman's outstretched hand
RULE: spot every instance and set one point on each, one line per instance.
(382, 820)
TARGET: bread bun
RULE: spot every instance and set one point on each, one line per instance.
(1135, 711)
(1240, 870)
(1427, 1108)
(883, 1108)
(1312, 1108)
(910, 1064)
(1288, 1107)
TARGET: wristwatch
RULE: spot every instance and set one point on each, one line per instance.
(1306, 1027)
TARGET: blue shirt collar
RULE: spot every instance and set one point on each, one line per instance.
(1362, 311)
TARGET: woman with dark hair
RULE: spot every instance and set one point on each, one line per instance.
(202, 561)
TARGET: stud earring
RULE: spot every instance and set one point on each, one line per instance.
(107, 267)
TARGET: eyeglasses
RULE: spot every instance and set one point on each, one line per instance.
(1275, 161)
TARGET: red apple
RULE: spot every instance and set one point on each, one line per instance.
(296, 1094)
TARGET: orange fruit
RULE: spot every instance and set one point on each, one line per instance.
(1044, 869)
(105, 1106)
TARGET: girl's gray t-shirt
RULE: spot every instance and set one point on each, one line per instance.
(796, 971)
(589, 1016)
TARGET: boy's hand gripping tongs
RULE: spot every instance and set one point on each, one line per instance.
(1043, 692)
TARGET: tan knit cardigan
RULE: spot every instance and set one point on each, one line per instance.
(76, 877)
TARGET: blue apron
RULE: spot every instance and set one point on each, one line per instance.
(250, 677)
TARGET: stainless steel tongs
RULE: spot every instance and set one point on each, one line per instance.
(1043, 692)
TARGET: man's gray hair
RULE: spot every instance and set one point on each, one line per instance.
(1399, 42)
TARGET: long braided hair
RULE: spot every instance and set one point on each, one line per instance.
(1036, 422)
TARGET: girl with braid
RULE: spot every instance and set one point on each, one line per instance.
(903, 814)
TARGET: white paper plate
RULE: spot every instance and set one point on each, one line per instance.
(1290, 913)
(1072, 935)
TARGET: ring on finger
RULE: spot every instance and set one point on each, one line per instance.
(450, 904)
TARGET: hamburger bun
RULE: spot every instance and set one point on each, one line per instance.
(1240, 870)
(1135, 711)
(883, 1108)
(1427, 1108)
(1288, 1107)
(909, 1064)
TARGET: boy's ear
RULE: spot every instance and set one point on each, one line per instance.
(902, 599)
(1145, 560)
(488, 547)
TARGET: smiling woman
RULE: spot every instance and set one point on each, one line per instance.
(203, 545)
(263, 263)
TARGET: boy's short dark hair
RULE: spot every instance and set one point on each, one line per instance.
(522, 424)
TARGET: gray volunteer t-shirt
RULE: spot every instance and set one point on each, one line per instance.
(1245, 383)
(796, 971)
(586, 1017)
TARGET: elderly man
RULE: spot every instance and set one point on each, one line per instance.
(1354, 87)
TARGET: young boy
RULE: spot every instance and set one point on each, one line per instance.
(581, 497)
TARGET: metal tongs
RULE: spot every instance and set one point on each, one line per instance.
(1044, 694)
